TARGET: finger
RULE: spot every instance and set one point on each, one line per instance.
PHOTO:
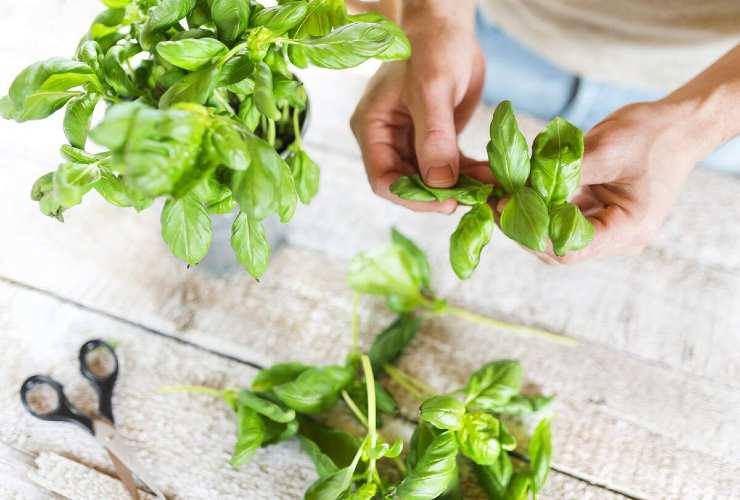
(469, 104)
(477, 169)
(381, 186)
(435, 136)
(600, 160)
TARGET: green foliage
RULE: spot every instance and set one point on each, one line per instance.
(197, 93)
(537, 188)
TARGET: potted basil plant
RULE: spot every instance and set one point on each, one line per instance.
(203, 111)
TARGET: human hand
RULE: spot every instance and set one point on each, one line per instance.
(408, 120)
(635, 164)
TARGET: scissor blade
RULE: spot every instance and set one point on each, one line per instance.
(125, 476)
(106, 434)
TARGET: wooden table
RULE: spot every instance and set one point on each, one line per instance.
(648, 404)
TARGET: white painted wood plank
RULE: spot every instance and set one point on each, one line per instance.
(185, 440)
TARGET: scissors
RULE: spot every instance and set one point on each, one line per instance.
(44, 398)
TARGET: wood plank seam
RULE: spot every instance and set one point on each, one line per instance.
(251, 364)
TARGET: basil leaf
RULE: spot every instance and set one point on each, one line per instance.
(114, 69)
(494, 384)
(200, 15)
(195, 87)
(443, 412)
(508, 154)
(276, 432)
(324, 465)
(278, 374)
(112, 188)
(347, 46)
(191, 53)
(479, 438)
(367, 491)
(540, 454)
(249, 115)
(163, 15)
(186, 228)
(235, 70)
(520, 405)
(570, 230)
(495, 478)
(525, 219)
(281, 18)
(265, 407)
(422, 437)
(72, 180)
(472, 234)
(116, 4)
(231, 18)
(400, 47)
(107, 23)
(76, 155)
(467, 191)
(417, 259)
(249, 241)
(384, 401)
(228, 140)
(77, 118)
(263, 93)
(44, 87)
(251, 435)
(306, 175)
(316, 389)
(43, 192)
(435, 471)
(90, 53)
(557, 153)
(339, 446)
(392, 341)
(332, 486)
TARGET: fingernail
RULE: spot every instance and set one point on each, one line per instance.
(440, 175)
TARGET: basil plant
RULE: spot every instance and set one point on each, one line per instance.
(538, 213)
(202, 110)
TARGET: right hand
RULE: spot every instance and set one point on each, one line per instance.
(408, 120)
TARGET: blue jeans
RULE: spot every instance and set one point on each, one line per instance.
(539, 88)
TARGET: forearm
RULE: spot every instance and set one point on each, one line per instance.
(459, 12)
(708, 106)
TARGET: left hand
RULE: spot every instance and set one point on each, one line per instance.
(635, 164)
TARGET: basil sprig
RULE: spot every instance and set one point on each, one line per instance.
(203, 111)
(538, 187)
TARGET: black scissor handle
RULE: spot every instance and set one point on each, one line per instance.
(64, 411)
(103, 384)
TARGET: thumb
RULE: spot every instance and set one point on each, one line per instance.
(435, 136)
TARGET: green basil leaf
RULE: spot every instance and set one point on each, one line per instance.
(388, 272)
(191, 53)
(324, 465)
(557, 153)
(479, 438)
(281, 18)
(107, 23)
(114, 70)
(7, 108)
(71, 182)
(251, 435)
(367, 491)
(116, 4)
(276, 432)
(508, 154)
(43, 192)
(494, 383)
(525, 219)
(265, 407)
(249, 241)
(467, 191)
(417, 259)
(540, 454)
(278, 374)
(242, 88)
(382, 450)
(519, 487)
(200, 15)
(422, 437)
(435, 471)
(339, 446)
(570, 230)
(332, 486)
(289, 92)
(472, 234)
(384, 401)
(163, 15)
(316, 389)
(263, 93)
(231, 18)
(306, 175)
(443, 412)
(90, 53)
(214, 195)
(196, 87)
(392, 341)
(249, 115)
(76, 155)
(495, 478)
(520, 405)
(228, 140)
(348, 45)
(400, 48)
(77, 118)
(235, 70)
(112, 188)
(186, 228)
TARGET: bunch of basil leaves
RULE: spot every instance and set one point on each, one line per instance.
(537, 188)
(202, 110)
